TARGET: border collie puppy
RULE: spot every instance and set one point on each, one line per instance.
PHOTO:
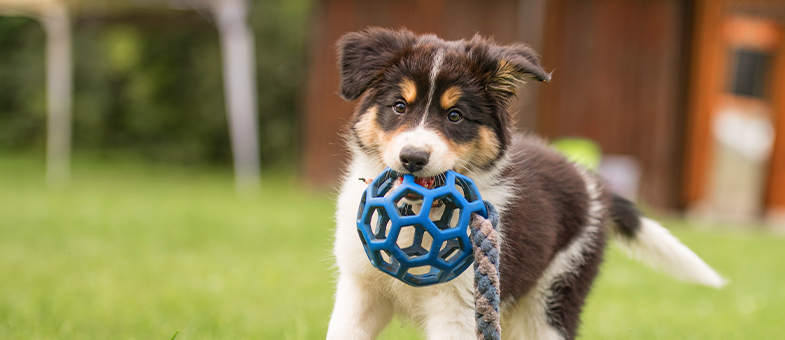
(427, 106)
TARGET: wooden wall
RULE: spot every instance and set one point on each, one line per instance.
(619, 79)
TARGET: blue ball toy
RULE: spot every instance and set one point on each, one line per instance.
(395, 237)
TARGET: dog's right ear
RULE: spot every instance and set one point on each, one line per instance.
(362, 56)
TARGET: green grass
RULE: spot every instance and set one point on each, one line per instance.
(135, 251)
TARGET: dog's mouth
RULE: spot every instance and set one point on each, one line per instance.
(425, 182)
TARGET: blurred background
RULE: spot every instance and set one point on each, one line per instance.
(168, 164)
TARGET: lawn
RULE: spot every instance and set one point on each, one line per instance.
(138, 251)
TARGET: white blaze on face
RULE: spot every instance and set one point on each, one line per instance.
(438, 58)
(440, 160)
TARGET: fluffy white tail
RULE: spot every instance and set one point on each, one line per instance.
(655, 246)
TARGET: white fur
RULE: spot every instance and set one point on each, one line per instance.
(527, 318)
(359, 312)
(366, 297)
(441, 158)
(656, 247)
(437, 64)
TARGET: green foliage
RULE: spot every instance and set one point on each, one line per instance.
(133, 251)
(156, 90)
(22, 85)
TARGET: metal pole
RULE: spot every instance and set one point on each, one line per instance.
(239, 73)
(57, 25)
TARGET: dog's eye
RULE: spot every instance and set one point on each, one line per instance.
(454, 116)
(399, 107)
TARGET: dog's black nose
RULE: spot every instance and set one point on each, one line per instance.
(414, 159)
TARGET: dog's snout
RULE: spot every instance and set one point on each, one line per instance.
(414, 159)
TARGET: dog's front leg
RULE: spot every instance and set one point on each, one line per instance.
(449, 316)
(360, 312)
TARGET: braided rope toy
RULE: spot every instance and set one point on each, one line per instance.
(485, 236)
(385, 210)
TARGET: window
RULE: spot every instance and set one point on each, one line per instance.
(748, 73)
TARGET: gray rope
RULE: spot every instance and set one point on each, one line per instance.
(485, 236)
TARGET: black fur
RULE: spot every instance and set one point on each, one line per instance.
(626, 216)
(570, 291)
(362, 57)
(551, 211)
(524, 58)
(552, 206)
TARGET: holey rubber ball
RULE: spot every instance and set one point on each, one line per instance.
(419, 235)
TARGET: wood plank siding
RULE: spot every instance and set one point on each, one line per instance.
(619, 79)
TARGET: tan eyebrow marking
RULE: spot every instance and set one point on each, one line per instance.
(450, 97)
(409, 91)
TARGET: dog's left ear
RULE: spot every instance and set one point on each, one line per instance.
(509, 66)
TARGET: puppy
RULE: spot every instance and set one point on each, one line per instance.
(427, 106)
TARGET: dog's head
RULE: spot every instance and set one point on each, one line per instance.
(429, 105)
